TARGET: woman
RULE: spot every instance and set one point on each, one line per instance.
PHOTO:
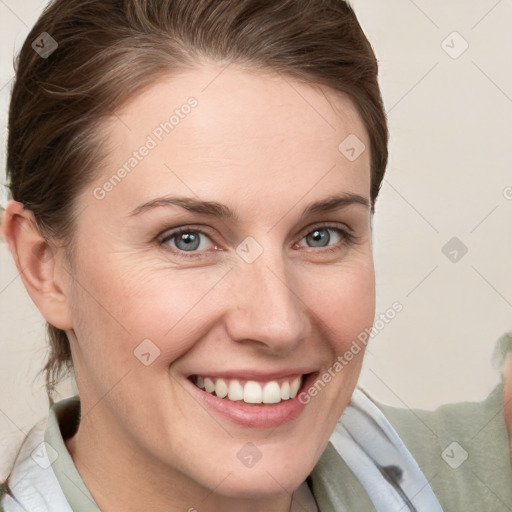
(192, 192)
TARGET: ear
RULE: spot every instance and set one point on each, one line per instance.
(37, 263)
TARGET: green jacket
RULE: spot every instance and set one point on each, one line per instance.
(463, 450)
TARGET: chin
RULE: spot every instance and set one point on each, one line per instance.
(252, 484)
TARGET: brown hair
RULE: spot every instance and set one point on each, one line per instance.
(108, 50)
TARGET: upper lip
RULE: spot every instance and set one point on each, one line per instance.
(257, 375)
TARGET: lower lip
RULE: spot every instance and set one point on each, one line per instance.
(255, 416)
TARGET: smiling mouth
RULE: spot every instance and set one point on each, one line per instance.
(250, 391)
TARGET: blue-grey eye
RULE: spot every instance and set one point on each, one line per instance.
(322, 237)
(189, 241)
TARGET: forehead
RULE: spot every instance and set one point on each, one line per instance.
(215, 129)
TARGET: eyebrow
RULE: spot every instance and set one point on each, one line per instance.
(211, 208)
(223, 212)
(335, 203)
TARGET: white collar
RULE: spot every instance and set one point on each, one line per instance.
(377, 456)
(33, 483)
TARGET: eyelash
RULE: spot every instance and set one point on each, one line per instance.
(347, 238)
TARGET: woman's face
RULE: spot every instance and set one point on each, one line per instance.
(236, 248)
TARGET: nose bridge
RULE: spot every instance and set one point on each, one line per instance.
(268, 308)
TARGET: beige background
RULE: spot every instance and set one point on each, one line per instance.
(450, 117)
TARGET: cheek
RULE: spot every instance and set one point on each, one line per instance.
(129, 303)
(167, 311)
(343, 301)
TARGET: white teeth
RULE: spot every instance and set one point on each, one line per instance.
(295, 386)
(236, 391)
(285, 391)
(221, 388)
(252, 392)
(209, 386)
(271, 393)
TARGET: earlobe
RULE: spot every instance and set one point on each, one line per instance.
(36, 262)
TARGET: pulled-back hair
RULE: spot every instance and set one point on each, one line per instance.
(108, 50)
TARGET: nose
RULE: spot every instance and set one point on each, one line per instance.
(267, 308)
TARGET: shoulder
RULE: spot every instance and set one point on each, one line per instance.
(463, 450)
(460, 419)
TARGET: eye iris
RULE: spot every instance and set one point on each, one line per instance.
(187, 241)
(319, 238)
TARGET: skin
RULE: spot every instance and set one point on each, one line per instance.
(507, 397)
(266, 146)
(507, 394)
